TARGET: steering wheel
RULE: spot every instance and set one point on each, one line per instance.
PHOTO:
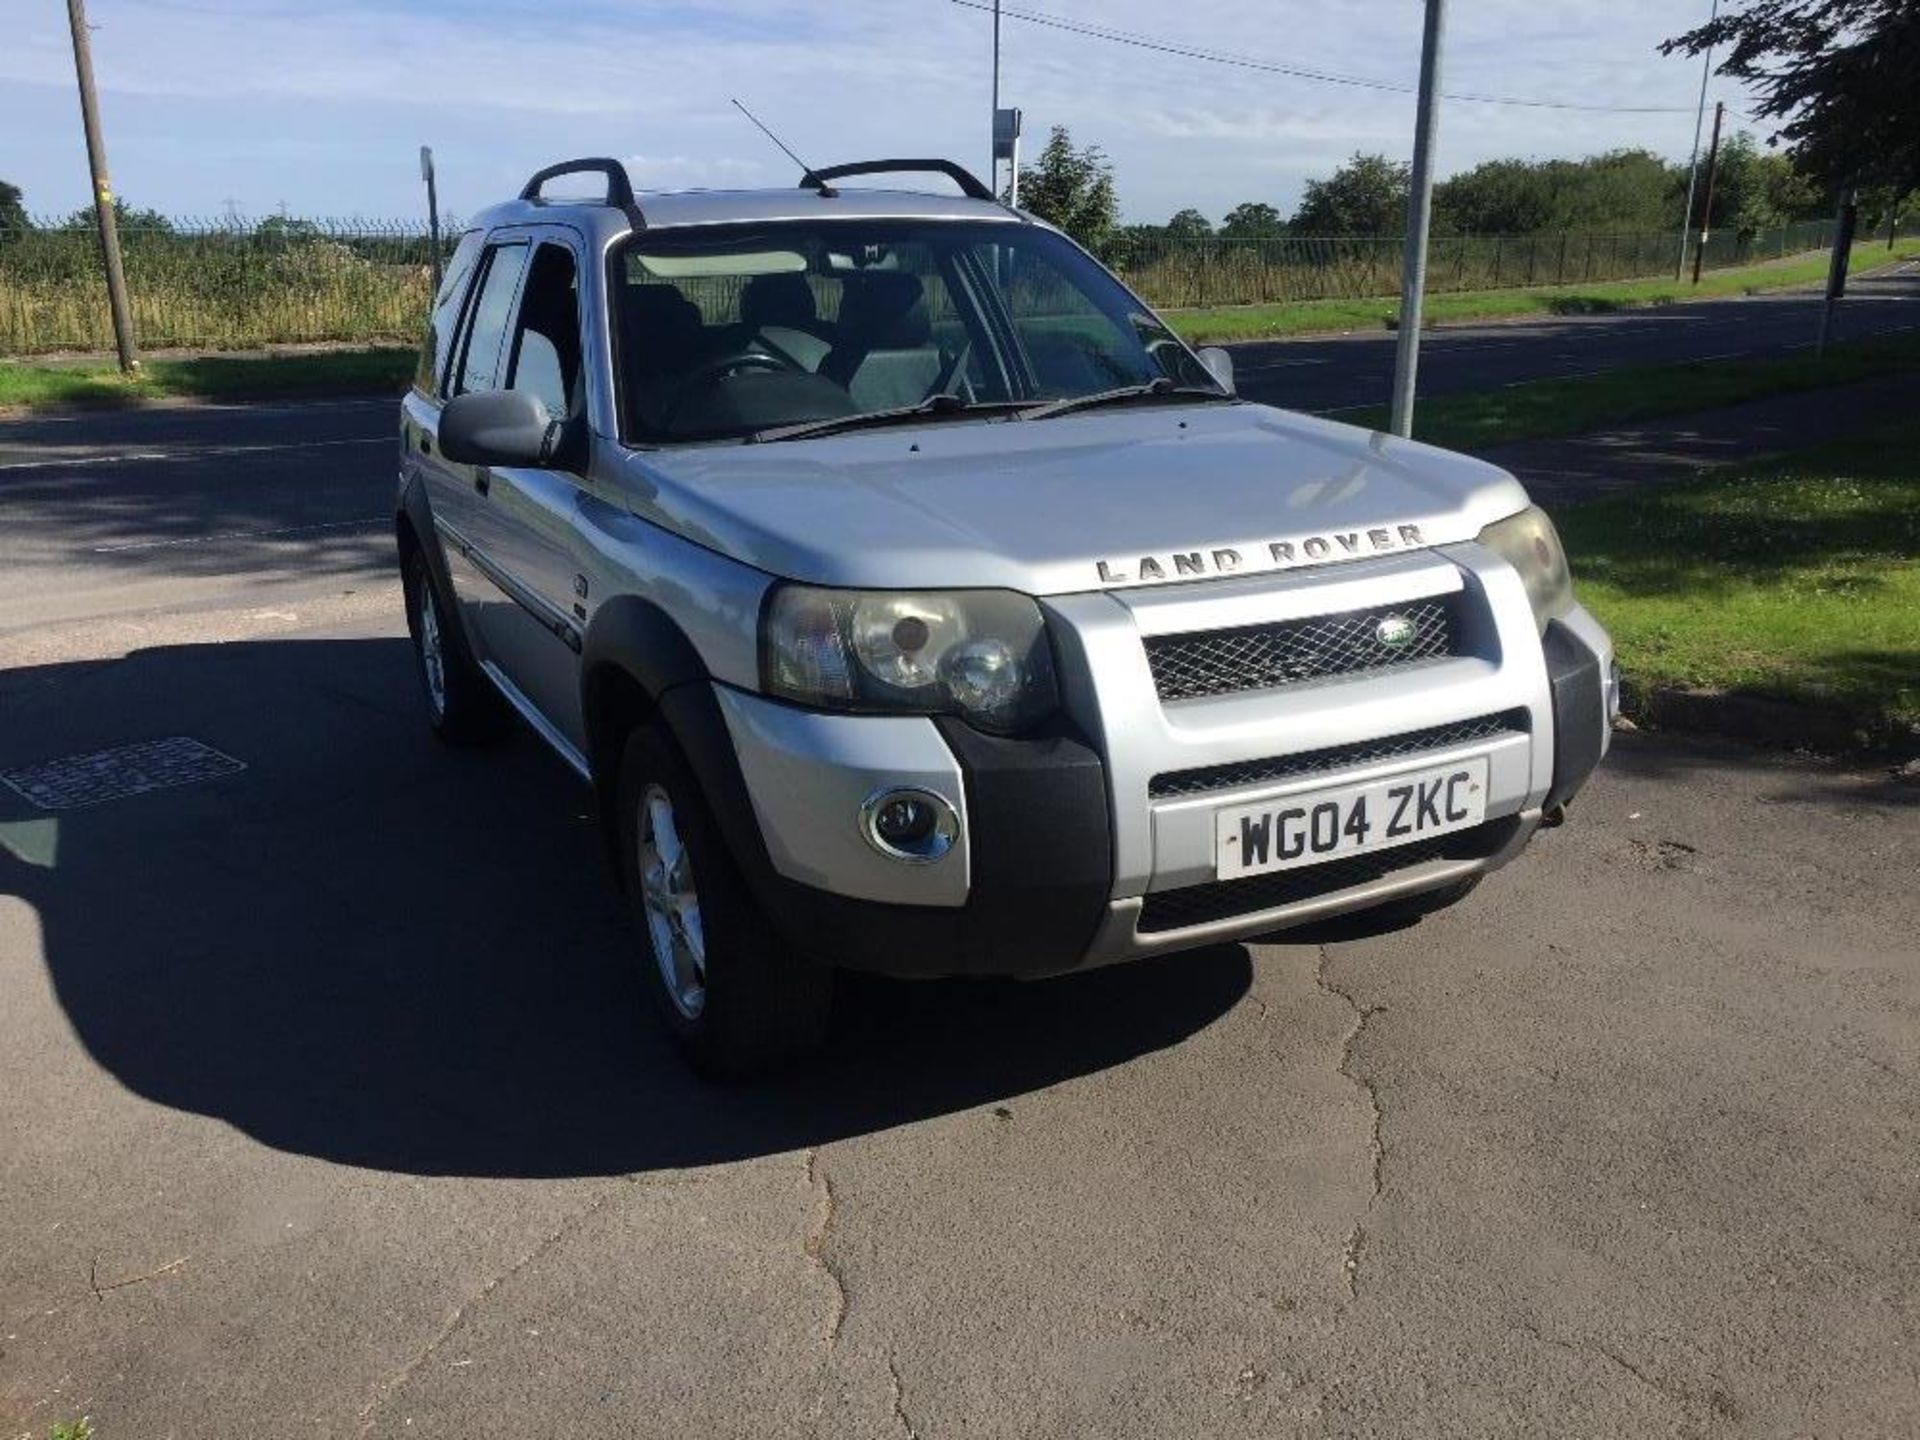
(721, 366)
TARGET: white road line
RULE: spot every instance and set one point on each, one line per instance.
(293, 407)
(201, 452)
(195, 452)
(235, 535)
(83, 460)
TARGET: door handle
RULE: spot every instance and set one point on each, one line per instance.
(482, 481)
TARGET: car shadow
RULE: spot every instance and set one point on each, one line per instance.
(371, 949)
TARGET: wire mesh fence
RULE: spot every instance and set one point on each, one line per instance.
(236, 284)
(228, 285)
(1214, 271)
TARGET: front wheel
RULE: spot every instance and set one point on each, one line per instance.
(731, 997)
(460, 704)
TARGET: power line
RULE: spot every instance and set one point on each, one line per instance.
(1299, 72)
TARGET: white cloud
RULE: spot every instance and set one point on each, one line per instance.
(250, 97)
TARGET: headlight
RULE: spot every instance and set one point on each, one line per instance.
(980, 654)
(1528, 543)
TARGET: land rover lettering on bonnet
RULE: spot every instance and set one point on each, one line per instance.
(1273, 554)
(913, 600)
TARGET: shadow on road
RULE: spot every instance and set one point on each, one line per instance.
(372, 950)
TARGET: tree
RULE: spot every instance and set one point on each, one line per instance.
(284, 230)
(1189, 225)
(1253, 220)
(1366, 196)
(13, 212)
(1496, 197)
(1072, 189)
(1842, 78)
(1618, 190)
(150, 221)
(1754, 189)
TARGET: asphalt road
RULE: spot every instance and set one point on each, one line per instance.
(327, 1106)
(1358, 369)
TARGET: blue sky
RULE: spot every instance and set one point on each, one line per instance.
(321, 105)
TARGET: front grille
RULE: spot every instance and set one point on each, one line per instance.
(1222, 899)
(1259, 657)
(1334, 757)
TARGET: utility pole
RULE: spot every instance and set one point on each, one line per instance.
(433, 211)
(993, 164)
(1693, 161)
(1706, 209)
(1413, 265)
(102, 188)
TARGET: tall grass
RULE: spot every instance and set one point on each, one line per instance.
(234, 285)
(217, 287)
(1182, 273)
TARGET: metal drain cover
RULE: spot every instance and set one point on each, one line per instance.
(75, 781)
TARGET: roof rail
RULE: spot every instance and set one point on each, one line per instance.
(968, 182)
(619, 187)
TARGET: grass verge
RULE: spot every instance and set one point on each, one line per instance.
(1540, 409)
(1796, 579)
(208, 377)
(1228, 323)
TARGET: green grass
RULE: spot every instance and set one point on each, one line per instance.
(1796, 579)
(212, 377)
(1541, 408)
(1229, 323)
(81, 1429)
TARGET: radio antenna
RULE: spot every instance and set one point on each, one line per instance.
(807, 177)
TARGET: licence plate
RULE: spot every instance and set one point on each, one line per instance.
(1318, 825)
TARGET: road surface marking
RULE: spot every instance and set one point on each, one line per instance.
(84, 460)
(234, 535)
(193, 452)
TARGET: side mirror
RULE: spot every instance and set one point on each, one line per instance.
(1219, 364)
(499, 427)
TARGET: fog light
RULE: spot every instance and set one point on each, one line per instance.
(915, 826)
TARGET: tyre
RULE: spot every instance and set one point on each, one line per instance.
(461, 706)
(733, 999)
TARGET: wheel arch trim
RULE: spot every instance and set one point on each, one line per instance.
(632, 642)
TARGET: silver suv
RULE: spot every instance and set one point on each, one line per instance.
(915, 601)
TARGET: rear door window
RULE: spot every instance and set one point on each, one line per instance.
(445, 319)
(481, 356)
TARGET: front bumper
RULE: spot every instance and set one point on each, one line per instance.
(1075, 848)
(1021, 892)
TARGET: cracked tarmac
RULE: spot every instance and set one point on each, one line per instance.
(1623, 1145)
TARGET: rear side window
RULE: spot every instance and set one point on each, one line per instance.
(445, 317)
(492, 312)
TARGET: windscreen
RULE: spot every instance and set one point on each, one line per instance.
(728, 332)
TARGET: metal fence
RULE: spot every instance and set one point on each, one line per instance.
(228, 285)
(1214, 271)
(235, 284)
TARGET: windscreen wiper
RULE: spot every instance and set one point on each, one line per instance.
(939, 403)
(1160, 387)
